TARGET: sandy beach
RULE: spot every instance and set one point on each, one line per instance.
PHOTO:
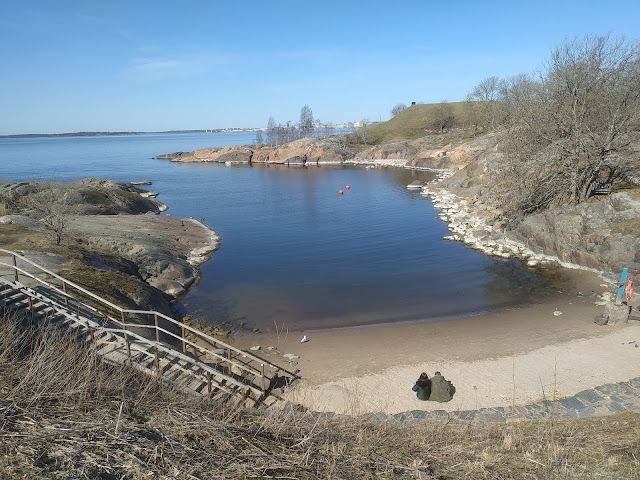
(508, 357)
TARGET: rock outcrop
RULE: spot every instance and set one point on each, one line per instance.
(306, 151)
(90, 196)
(398, 152)
(311, 151)
(116, 232)
(600, 235)
(165, 251)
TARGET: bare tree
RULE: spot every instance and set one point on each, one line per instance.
(259, 140)
(397, 108)
(563, 128)
(363, 133)
(306, 122)
(272, 132)
(53, 206)
(444, 117)
(484, 98)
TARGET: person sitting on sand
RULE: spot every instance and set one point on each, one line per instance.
(422, 387)
(440, 389)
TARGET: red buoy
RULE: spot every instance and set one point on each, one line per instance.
(348, 187)
(340, 192)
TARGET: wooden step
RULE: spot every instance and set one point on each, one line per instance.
(188, 374)
(13, 298)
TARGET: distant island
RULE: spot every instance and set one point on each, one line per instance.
(106, 134)
(317, 126)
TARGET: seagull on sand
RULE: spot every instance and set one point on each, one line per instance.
(304, 339)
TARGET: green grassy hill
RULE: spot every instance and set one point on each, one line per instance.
(414, 122)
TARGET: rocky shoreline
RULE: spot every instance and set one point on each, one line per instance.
(478, 233)
(598, 236)
(114, 240)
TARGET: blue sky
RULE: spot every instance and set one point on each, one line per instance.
(113, 65)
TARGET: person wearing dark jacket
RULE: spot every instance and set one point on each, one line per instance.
(440, 389)
(422, 387)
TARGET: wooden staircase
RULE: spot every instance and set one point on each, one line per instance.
(192, 361)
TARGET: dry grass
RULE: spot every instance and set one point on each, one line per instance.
(19, 238)
(414, 122)
(64, 414)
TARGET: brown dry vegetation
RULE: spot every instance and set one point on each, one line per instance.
(416, 122)
(19, 238)
(64, 414)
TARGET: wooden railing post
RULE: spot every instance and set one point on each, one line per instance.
(155, 317)
(157, 360)
(31, 309)
(66, 299)
(126, 337)
(184, 344)
(263, 387)
(209, 383)
(15, 270)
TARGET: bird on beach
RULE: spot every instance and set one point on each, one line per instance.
(304, 339)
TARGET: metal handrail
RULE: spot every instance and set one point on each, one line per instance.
(142, 340)
(123, 312)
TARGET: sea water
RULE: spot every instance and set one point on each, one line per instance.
(294, 252)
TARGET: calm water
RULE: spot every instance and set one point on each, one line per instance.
(294, 252)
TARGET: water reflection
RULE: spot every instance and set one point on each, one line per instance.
(293, 250)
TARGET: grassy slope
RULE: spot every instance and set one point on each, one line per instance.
(413, 123)
(65, 414)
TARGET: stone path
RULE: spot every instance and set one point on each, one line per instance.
(603, 400)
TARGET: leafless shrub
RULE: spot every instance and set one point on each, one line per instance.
(564, 126)
(53, 206)
(397, 108)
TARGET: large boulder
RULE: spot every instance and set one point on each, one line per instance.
(616, 314)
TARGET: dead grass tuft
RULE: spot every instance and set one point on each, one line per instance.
(65, 414)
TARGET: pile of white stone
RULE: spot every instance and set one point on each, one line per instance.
(475, 232)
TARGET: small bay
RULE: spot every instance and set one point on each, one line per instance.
(295, 253)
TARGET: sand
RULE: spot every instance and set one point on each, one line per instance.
(503, 358)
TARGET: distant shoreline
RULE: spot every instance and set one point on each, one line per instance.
(106, 134)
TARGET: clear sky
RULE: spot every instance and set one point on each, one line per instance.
(111, 65)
